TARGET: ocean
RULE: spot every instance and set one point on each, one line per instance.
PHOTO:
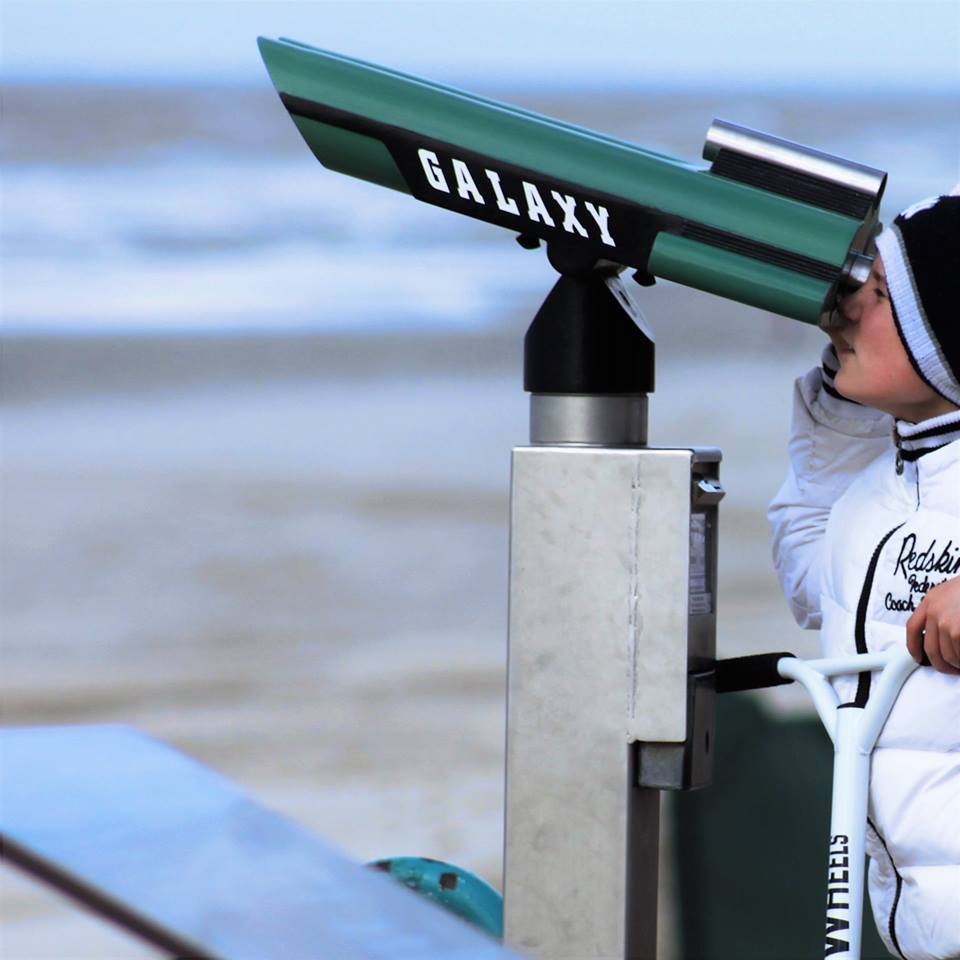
(180, 209)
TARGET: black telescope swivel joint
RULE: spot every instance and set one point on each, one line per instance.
(585, 340)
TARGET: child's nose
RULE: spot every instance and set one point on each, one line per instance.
(851, 306)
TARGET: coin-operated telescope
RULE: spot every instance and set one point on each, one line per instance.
(613, 544)
(768, 223)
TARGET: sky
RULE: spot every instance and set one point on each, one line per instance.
(850, 44)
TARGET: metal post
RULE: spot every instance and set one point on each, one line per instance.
(603, 604)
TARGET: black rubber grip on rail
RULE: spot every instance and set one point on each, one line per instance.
(749, 673)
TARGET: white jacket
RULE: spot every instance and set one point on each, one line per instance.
(856, 544)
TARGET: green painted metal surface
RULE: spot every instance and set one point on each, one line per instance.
(459, 891)
(738, 278)
(433, 85)
(388, 100)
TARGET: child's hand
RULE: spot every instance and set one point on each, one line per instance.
(934, 627)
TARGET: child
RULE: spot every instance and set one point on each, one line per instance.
(866, 541)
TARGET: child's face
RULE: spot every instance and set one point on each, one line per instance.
(874, 367)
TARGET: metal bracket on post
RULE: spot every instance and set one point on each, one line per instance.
(612, 589)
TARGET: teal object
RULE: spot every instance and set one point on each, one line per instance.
(459, 891)
(515, 168)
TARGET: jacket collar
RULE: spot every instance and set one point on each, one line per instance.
(915, 440)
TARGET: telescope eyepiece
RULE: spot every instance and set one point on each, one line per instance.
(856, 272)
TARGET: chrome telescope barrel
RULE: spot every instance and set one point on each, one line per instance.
(805, 174)
(808, 175)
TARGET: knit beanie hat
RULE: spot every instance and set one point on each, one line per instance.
(921, 255)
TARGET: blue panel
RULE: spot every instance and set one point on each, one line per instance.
(181, 856)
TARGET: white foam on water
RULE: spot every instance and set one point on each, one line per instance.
(188, 238)
(197, 245)
(290, 285)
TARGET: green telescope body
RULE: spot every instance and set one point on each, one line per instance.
(769, 223)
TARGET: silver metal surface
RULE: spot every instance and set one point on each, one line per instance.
(723, 135)
(857, 269)
(598, 650)
(182, 858)
(587, 420)
(707, 492)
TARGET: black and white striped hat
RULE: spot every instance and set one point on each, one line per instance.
(921, 255)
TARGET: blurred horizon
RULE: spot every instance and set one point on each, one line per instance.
(847, 46)
(502, 87)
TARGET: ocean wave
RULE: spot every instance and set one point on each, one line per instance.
(193, 222)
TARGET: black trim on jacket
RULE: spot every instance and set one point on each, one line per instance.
(860, 630)
(892, 919)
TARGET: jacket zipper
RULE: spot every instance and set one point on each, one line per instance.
(860, 629)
